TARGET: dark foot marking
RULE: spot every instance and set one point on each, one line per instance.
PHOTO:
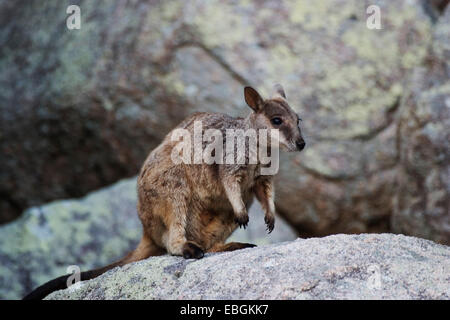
(242, 221)
(192, 251)
(270, 223)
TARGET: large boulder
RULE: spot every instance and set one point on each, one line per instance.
(79, 109)
(89, 233)
(45, 240)
(349, 81)
(422, 202)
(383, 266)
(96, 100)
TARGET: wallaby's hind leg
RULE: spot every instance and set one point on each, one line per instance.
(178, 245)
(175, 237)
(145, 249)
(221, 247)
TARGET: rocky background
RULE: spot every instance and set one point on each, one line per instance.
(81, 109)
(381, 266)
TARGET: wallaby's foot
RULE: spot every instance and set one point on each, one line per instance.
(231, 246)
(242, 221)
(192, 251)
(270, 223)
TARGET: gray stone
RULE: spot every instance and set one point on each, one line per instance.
(90, 232)
(365, 266)
(45, 240)
(422, 196)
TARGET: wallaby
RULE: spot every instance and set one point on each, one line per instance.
(188, 209)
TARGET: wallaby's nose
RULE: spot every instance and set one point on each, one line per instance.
(300, 144)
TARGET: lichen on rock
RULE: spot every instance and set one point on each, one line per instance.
(90, 232)
(363, 266)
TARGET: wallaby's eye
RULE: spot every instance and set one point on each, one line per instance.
(276, 121)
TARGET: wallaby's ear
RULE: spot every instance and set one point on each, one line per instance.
(253, 98)
(279, 90)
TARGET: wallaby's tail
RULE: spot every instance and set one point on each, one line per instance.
(145, 249)
(61, 283)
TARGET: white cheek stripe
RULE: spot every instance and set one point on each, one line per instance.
(282, 139)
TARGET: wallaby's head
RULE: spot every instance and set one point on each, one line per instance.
(275, 113)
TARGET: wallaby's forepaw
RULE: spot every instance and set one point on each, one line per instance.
(242, 221)
(192, 251)
(270, 223)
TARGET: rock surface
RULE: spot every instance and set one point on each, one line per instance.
(90, 232)
(382, 266)
(422, 202)
(80, 109)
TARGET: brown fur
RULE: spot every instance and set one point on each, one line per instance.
(189, 209)
(203, 204)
